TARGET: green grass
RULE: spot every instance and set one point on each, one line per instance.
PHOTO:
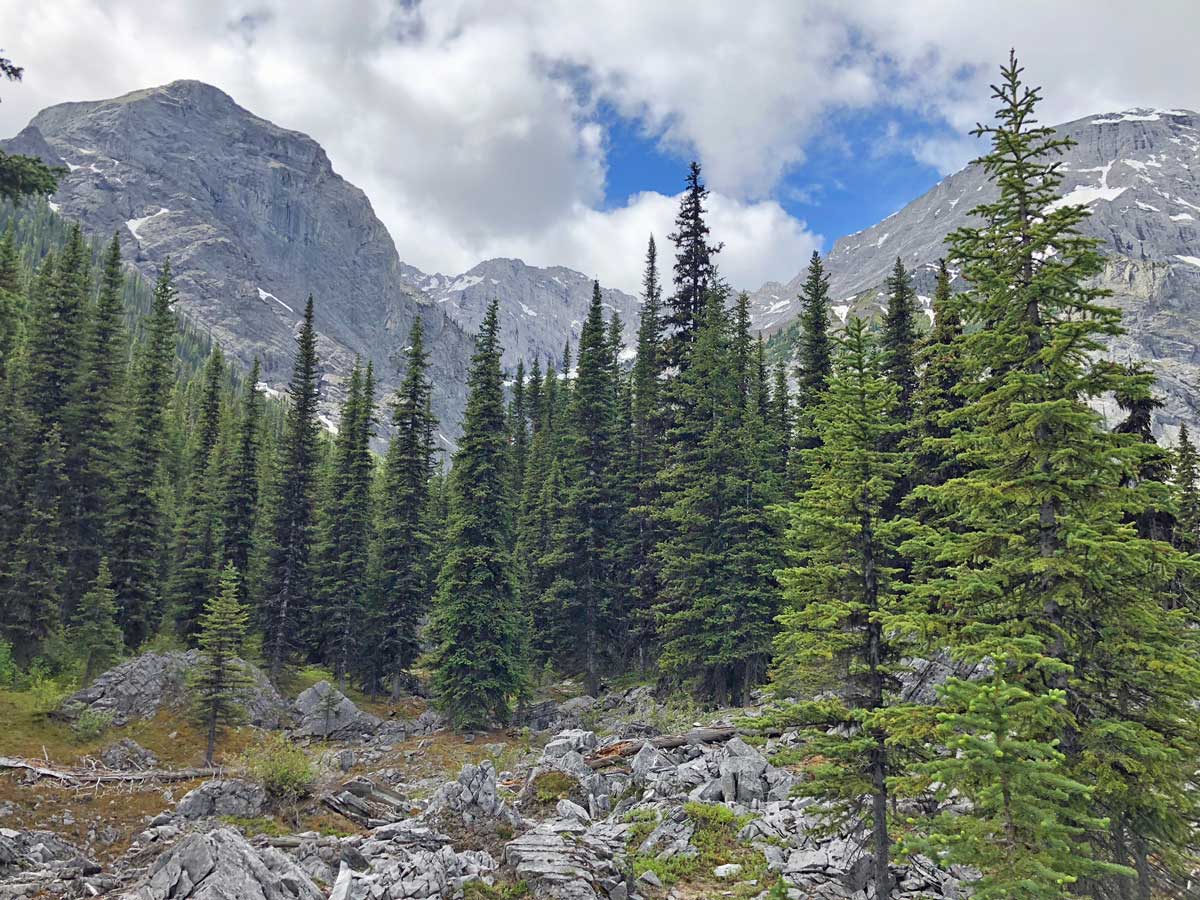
(477, 890)
(716, 843)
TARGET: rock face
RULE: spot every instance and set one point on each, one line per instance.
(1138, 172)
(221, 865)
(540, 308)
(255, 219)
(137, 689)
(325, 712)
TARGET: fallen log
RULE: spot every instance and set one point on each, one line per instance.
(614, 753)
(103, 776)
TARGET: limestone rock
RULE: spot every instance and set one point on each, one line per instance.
(222, 865)
(140, 687)
(222, 797)
(325, 712)
(128, 755)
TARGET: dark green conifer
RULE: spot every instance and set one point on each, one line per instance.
(695, 270)
(94, 633)
(220, 682)
(477, 629)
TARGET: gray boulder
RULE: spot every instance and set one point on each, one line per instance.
(471, 798)
(140, 687)
(222, 865)
(743, 773)
(323, 711)
(222, 797)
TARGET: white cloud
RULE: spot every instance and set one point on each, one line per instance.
(472, 125)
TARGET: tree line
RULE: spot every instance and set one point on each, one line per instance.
(903, 493)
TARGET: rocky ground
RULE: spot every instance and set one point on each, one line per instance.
(618, 797)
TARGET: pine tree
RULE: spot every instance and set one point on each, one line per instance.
(95, 417)
(814, 355)
(11, 324)
(94, 633)
(533, 396)
(289, 579)
(1186, 478)
(344, 532)
(1043, 554)
(239, 491)
(196, 559)
(518, 429)
(401, 586)
(220, 682)
(476, 626)
(695, 270)
(32, 597)
(900, 339)
(843, 636)
(136, 520)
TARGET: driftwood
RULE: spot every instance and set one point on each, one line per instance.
(102, 776)
(613, 754)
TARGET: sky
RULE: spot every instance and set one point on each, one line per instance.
(559, 131)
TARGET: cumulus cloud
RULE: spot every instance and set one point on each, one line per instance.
(475, 129)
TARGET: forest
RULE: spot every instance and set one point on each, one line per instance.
(725, 526)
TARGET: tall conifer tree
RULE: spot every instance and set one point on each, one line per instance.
(695, 269)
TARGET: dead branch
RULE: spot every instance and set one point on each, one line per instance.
(76, 776)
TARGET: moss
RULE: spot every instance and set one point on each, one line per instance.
(252, 826)
(550, 787)
(477, 890)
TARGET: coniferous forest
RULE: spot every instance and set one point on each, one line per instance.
(731, 522)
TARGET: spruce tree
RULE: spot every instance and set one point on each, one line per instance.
(220, 682)
(717, 553)
(695, 270)
(1186, 479)
(645, 456)
(94, 633)
(239, 490)
(196, 562)
(401, 585)
(900, 339)
(344, 532)
(533, 396)
(813, 356)
(518, 429)
(10, 302)
(95, 418)
(584, 586)
(477, 629)
(288, 577)
(1043, 554)
(136, 520)
(32, 597)
(843, 634)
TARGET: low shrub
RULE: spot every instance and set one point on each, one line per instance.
(284, 770)
(550, 787)
(91, 723)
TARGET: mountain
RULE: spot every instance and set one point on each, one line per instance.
(1137, 171)
(255, 219)
(540, 308)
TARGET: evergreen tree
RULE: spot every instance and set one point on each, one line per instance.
(196, 559)
(1187, 492)
(289, 579)
(900, 339)
(645, 456)
(220, 682)
(813, 356)
(1043, 554)
(939, 389)
(136, 520)
(35, 570)
(843, 635)
(56, 335)
(477, 628)
(11, 330)
(695, 270)
(345, 531)
(95, 419)
(583, 587)
(716, 558)
(518, 428)
(533, 396)
(239, 491)
(94, 633)
(401, 585)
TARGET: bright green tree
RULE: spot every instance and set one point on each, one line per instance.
(477, 629)
(220, 682)
(843, 634)
(95, 635)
